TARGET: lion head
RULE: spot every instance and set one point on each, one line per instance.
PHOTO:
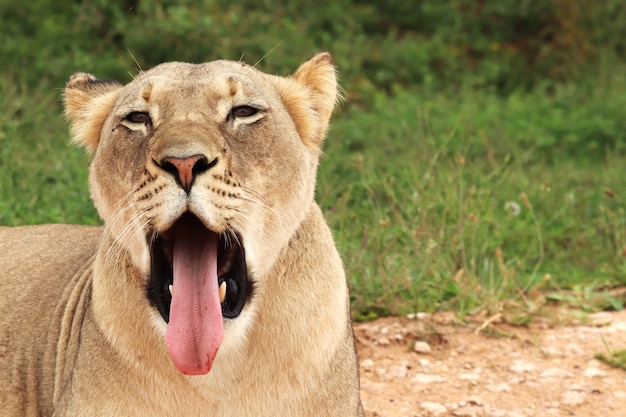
(202, 173)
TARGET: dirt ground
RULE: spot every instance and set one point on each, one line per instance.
(541, 370)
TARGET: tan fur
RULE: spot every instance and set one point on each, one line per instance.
(78, 335)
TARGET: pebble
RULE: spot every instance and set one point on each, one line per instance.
(619, 326)
(398, 371)
(519, 367)
(620, 394)
(494, 412)
(592, 372)
(424, 363)
(427, 378)
(575, 349)
(422, 347)
(433, 408)
(573, 398)
(501, 387)
(374, 388)
(469, 377)
(475, 400)
(469, 411)
(553, 351)
(555, 373)
(367, 363)
(602, 318)
(418, 316)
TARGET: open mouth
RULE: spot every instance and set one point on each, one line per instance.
(198, 278)
(233, 285)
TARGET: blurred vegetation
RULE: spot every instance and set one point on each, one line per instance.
(477, 163)
(505, 45)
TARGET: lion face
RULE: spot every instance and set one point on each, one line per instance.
(202, 173)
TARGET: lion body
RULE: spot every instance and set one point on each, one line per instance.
(80, 331)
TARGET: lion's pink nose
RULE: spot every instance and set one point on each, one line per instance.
(185, 169)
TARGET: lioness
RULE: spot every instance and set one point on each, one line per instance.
(214, 288)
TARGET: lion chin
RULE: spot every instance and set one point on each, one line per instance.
(214, 287)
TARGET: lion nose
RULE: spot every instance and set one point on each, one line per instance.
(186, 169)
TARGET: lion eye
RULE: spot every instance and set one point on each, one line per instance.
(243, 111)
(138, 117)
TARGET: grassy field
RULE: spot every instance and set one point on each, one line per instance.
(467, 200)
(474, 202)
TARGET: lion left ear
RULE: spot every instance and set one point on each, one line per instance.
(88, 102)
(312, 102)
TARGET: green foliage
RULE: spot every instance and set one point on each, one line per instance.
(506, 45)
(43, 179)
(613, 357)
(445, 201)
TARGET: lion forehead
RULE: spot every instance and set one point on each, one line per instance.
(176, 87)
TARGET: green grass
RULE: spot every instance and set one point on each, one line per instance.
(615, 358)
(420, 190)
(44, 178)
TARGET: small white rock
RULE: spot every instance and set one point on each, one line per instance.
(520, 367)
(501, 387)
(575, 349)
(594, 363)
(475, 400)
(552, 351)
(423, 316)
(470, 411)
(555, 373)
(494, 412)
(592, 372)
(427, 378)
(422, 347)
(602, 318)
(367, 363)
(433, 408)
(398, 372)
(573, 398)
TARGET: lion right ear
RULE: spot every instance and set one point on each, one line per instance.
(88, 103)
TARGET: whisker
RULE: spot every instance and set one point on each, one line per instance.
(268, 52)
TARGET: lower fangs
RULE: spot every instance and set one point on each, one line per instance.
(222, 291)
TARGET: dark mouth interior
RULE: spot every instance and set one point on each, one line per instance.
(231, 267)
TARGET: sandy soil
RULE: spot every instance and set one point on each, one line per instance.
(540, 370)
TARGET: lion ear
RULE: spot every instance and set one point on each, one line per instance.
(88, 103)
(312, 104)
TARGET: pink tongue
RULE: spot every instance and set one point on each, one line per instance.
(195, 329)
